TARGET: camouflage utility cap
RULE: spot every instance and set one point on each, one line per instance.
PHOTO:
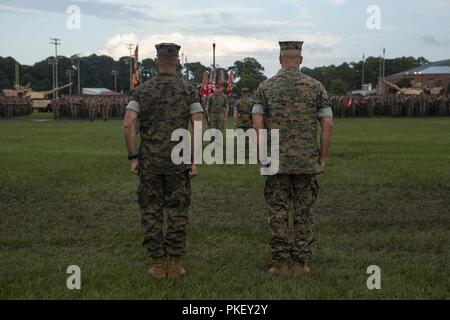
(167, 50)
(291, 45)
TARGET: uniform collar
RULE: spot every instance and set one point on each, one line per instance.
(281, 71)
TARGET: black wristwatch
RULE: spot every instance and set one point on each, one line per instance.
(133, 157)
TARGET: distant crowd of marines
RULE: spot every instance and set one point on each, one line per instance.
(15, 107)
(89, 107)
(391, 105)
(113, 107)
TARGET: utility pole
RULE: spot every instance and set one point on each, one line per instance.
(52, 62)
(56, 42)
(187, 69)
(115, 73)
(384, 62)
(363, 69)
(214, 58)
(17, 74)
(79, 74)
(380, 75)
(69, 73)
(131, 47)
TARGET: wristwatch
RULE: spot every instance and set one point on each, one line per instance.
(133, 157)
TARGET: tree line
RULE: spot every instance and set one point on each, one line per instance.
(96, 71)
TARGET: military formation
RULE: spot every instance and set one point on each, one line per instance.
(89, 107)
(391, 105)
(11, 107)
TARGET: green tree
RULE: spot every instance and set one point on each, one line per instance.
(338, 86)
(248, 66)
(149, 69)
(197, 70)
(249, 72)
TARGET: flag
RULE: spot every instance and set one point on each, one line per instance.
(221, 81)
(204, 88)
(350, 103)
(230, 83)
(212, 83)
(136, 69)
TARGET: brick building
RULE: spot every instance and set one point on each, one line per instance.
(431, 75)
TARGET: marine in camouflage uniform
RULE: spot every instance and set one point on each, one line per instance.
(75, 104)
(243, 111)
(106, 108)
(217, 109)
(292, 102)
(55, 105)
(242, 116)
(163, 104)
(92, 109)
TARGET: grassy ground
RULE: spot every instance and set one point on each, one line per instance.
(66, 198)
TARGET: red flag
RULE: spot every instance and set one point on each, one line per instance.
(221, 81)
(212, 83)
(136, 69)
(350, 103)
(204, 88)
(230, 83)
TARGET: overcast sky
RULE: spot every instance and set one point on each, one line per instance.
(334, 31)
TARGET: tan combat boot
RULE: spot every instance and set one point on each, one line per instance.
(280, 269)
(158, 268)
(299, 270)
(175, 269)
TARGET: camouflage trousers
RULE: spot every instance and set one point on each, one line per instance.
(105, 113)
(56, 113)
(169, 194)
(217, 120)
(74, 110)
(92, 114)
(280, 192)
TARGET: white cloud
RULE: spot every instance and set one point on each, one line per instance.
(229, 47)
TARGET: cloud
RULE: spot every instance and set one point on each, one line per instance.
(198, 48)
(431, 40)
(229, 47)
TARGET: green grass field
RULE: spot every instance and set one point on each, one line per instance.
(66, 198)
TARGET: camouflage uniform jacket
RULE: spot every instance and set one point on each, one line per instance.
(293, 102)
(165, 105)
(244, 109)
(217, 103)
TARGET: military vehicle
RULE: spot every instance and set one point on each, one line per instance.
(40, 99)
(415, 91)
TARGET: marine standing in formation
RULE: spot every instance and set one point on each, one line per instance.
(217, 109)
(242, 115)
(162, 105)
(15, 106)
(293, 103)
(89, 107)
